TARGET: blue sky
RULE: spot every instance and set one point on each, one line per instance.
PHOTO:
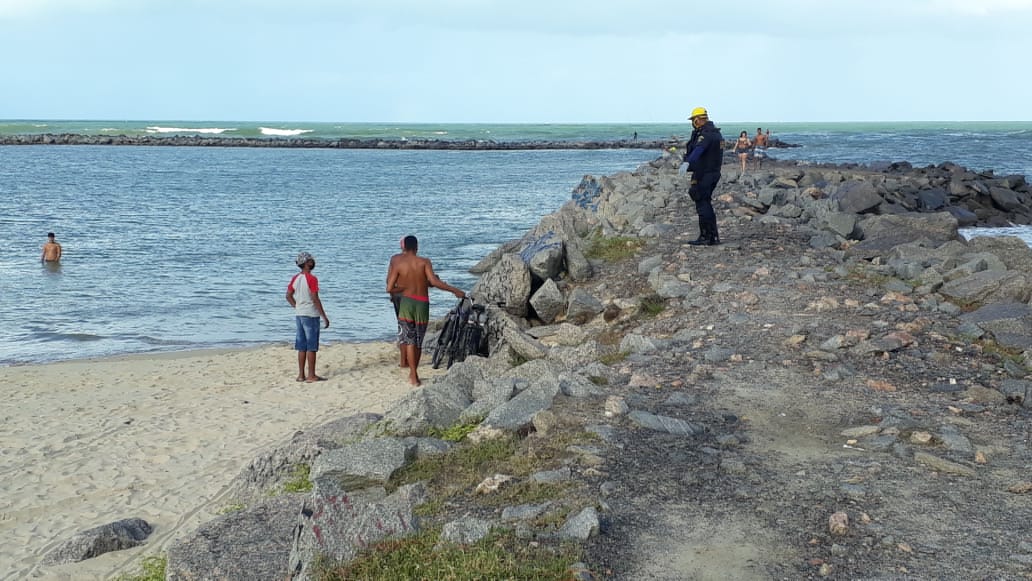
(527, 61)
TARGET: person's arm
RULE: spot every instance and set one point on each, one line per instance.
(43, 255)
(290, 293)
(436, 282)
(318, 306)
(390, 273)
(60, 251)
(392, 280)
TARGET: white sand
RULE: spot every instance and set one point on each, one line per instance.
(158, 437)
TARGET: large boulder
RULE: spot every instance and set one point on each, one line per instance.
(269, 471)
(880, 234)
(252, 544)
(548, 301)
(115, 536)
(362, 464)
(508, 283)
(1009, 323)
(857, 197)
(336, 527)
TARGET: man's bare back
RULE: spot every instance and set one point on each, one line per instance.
(412, 275)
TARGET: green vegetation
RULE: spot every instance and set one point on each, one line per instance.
(459, 469)
(1003, 353)
(613, 249)
(456, 433)
(299, 479)
(499, 556)
(614, 357)
(652, 305)
(152, 569)
(236, 507)
(598, 380)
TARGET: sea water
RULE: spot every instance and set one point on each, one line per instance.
(171, 248)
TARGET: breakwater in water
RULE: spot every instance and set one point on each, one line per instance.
(344, 143)
(435, 144)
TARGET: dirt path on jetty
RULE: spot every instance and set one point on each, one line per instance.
(821, 392)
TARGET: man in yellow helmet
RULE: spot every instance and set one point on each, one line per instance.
(704, 155)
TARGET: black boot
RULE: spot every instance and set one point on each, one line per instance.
(704, 236)
(714, 236)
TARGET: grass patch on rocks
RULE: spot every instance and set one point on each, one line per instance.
(300, 480)
(151, 569)
(502, 555)
(652, 305)
(456, 433)
(613, 248)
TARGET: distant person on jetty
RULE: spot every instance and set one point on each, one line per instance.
(396, 300)
(303, 295)
(412, 276)
(704, 155)
(51, 250)
(742, 147)
(760, 143)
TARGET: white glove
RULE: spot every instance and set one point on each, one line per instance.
(683, 168)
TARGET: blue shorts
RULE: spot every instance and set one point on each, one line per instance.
(307, 338)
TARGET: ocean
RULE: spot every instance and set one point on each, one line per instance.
(176, 248)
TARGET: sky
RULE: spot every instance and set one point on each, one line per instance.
(506, 61)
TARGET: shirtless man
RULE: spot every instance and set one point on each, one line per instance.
(760, 146)
(411, 276)
(51, 250)
(396, 299)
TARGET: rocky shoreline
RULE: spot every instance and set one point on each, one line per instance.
(311, 143)
(841, 390)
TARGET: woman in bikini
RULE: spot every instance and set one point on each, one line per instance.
(742, 147)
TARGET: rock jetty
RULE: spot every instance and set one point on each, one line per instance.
(300, 142)
(842, 389)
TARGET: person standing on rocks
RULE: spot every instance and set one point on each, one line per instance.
(703, 157)
(412, 276)
(760, 143)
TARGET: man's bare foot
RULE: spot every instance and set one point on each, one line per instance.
(299, 378)
(315, 378)
(415, 382)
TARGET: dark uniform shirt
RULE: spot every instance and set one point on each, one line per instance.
(705, 154)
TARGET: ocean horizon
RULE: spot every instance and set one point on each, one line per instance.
(181, 248)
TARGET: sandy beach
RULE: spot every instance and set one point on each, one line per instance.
(158, 437)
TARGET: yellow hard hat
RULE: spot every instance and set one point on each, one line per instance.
(698, 112)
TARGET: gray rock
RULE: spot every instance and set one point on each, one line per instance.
(548, 301)
(1010, 323)
(582, 306)
(647, 265)
(508, 282)
(881, 234)
(361, 465)
(856, 196)
(335, 528)
(581, 526)
(465, 531)
(955, 441)
(551, 476)
(518, 413)
(942, 465)
(524, 512)
(988, 286)
(663, 423)
(1017, 391)
(269, 471)
(115, 536)
(544, 255)
(252, 544)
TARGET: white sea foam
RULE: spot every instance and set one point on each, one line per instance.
(283, 132)
(212, 130)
